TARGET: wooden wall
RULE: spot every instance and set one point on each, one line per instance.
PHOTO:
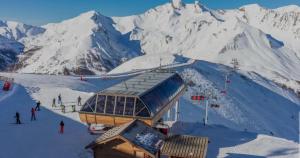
(108, 120)
(117, 149)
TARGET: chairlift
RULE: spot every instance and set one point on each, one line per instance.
(214, 105)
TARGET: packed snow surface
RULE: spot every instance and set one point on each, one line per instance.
(242, 126)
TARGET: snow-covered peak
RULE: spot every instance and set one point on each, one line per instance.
(89, 14)
(177, 4)
(289, 8)
(282, 23)
(16, 31)
(86, 44)
(253, 7)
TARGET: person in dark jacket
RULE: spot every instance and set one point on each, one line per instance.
(38, 104)
(33, 114)
(59, 99)
(61, 127)
(79, 101)
(17, 118)
(53, 102)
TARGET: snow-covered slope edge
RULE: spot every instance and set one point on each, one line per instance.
(224, 141)
(250, 104)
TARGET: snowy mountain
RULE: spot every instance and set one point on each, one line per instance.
(10, 34)
(16, 31)
(283, 23)
(86, 44)
(198, 32)
(262, 40)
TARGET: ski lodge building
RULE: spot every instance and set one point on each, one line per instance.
(134, 108)
(137, 139)
(146, 97)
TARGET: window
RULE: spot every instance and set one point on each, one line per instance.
(110, 103)
(144, 113)
(129, 106)
(89, 105)
(140, 109)
(100, 103)
(120, 105)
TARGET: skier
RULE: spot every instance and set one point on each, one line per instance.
(17, 118)
(53, 102)
(59, 99)
(61, 127)
(33, 114)
(79, 101)
(38, 104)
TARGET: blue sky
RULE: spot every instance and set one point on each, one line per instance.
(38, 12)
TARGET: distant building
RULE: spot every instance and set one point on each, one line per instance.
(146, 97)
(136, 139)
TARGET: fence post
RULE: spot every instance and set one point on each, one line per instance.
(73, 108)
(63, 109)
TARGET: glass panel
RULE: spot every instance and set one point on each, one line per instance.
(120, 105)
(100, 103)
(139, 106)
(89, 105)
(144, 113)
(129, 106)
(110, 103)
(162, 94)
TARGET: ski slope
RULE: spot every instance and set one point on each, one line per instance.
(40, 138)
(241, 127)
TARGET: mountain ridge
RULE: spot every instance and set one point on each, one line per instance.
(94, 44)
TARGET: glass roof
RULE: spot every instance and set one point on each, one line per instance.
(156, 98)
(142, 96)
(139, 84)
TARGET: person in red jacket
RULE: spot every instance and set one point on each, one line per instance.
(61, 127)
(33, 114)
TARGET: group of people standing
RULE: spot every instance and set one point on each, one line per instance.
(33, 114)
(59, 101)
(38, 108)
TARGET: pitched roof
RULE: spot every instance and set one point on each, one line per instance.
(137, 133)
(185, 146)
(113, 132)
(144, 136)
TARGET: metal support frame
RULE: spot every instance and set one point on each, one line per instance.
(206, 112)
(169, 115)
(177, 110)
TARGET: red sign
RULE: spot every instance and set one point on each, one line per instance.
(197, 97)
